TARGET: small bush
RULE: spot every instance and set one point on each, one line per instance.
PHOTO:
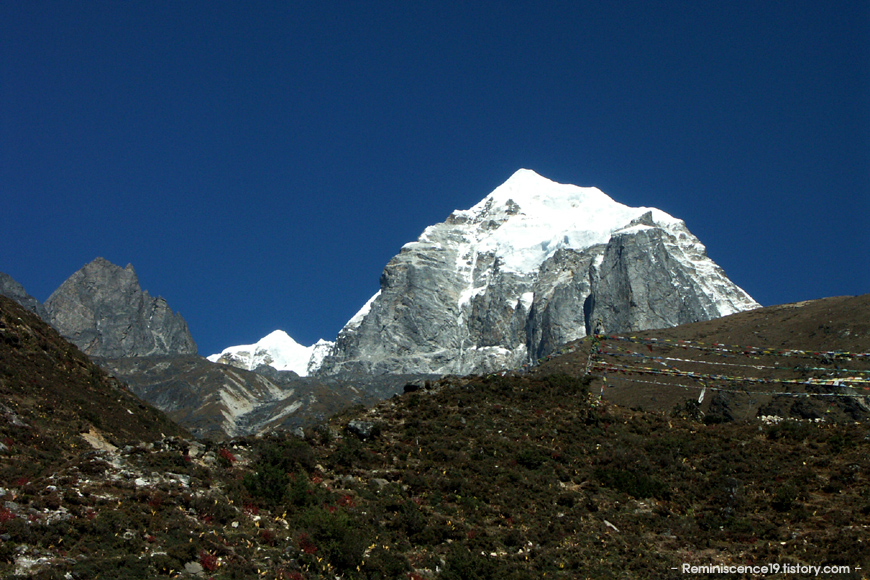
(349, 453)
(530, 458)
(634, 484)
(208, 561)
(383, 564)
(784, 498)
(300, 493)
(334, 536)
(268, 484)
(225, 458)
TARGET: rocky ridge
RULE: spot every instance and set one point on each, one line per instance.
(217, 401)
(102, 309)
(12, 289)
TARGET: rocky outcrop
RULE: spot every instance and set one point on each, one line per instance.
(532, 266)
(103, 310)
(654, 277)
(12, 289)
(561, 293)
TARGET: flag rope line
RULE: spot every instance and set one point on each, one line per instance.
(832, 377)
(702, 387)
(733, 348)
(840, 382)
(707, 362)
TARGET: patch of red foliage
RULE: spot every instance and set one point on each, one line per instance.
(209, 562)
(305, 544)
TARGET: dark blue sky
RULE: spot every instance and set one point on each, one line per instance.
(260, 162)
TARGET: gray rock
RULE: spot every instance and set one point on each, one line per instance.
(218, 401)
(194, 568)
(648, 279)
(362, 429)
(558, 312)
(103, 310)
(416, 385)
(12, 289)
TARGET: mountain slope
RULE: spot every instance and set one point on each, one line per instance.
(51, 394)
(499, 477)
(218, 401)
(739, 361)
(533, 265)
(511, 475)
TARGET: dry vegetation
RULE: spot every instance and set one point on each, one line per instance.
(494, 477)
(497, 477)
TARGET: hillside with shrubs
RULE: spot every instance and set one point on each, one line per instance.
(506, 476)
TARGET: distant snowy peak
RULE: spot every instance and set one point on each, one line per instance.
(277, 350)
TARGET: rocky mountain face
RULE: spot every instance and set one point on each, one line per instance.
(103, 310)
(532, 266)
(658, 277)
(138, 339)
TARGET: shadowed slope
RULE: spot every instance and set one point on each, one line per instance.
(51, 393)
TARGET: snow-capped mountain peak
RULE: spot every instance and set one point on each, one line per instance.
(277, 349)
(531, 266)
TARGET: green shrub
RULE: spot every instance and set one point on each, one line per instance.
(563, 382)
(530, 458)
(838, 442)
(350, 453)
(301, 493)
(784, 498)
(638, 485)
(268, 484)
(335, 536)
(383, 564)
(790, 430)
(288, 453)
